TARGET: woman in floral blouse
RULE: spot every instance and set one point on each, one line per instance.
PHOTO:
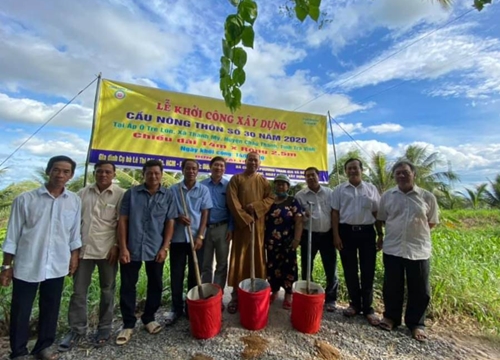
(282, 236)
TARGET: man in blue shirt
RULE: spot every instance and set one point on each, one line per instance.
(196, 198)
(43, 237)
(145, 230)
(220, 227)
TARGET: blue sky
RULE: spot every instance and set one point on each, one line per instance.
(391, 72)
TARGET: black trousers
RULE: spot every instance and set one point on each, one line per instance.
(23, 296)
(419, 292)
(179, 254)
(322, 242)
(360, 244)
(128, 291)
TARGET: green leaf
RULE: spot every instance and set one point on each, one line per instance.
(237, 96)
(233, 27)
(225, 63)
(226, 49)
(315, 3)
(239, 57)
(247, 9)
(248, 36)
(234, 2)
(314, 12)
(301, 13)
(225, 83)
(239, 76)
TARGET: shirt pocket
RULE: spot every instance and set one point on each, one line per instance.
(109, 212)
(366, 203)
(68, 219)
(195, 202)
(159, 211)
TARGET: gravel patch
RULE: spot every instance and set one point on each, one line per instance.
(353, 338)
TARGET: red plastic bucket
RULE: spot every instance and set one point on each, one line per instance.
(205, 315)
(254, 306)
(307, 310)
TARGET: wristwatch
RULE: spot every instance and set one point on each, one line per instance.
(5, 267)
(201, 237)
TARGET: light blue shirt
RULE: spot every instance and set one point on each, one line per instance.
(42, 232)
(219, 212)
(197, 199)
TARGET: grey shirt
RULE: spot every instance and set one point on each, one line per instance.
(147, 215)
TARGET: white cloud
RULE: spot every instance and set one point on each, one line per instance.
(450, 50)
(61, 143)
(385, 128)
(30, 111)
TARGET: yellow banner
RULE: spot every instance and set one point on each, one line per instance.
(136, 123)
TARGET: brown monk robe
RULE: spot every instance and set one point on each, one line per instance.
(249, 196)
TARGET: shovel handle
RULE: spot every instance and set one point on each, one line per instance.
(191, 241)
(309, 247)
(252, 256)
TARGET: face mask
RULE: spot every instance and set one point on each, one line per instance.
(281, 194)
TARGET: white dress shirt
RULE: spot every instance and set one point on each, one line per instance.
(356, 204)
(100, 211)
(407, 217)
(322, 209)
(42, 232)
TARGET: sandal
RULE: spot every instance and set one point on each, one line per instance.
(152, 327)
(287, 304)
(69, 341)
(350, 311)
(373, 319)
(124, 336)
(331, 306)
(386, 324)
(171, 318)
(46, 354)
(102, 337)
(419, 334)
(232, 307)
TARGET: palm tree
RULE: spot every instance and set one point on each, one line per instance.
(475, 197)
(426, 164)
(493, 195)
(448, 199)
(338, 176)
(380, 172)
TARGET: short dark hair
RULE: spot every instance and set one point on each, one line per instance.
(104, 162)
(185, 161)
(59, 158)
(311, 168)
(402, 162)
(217, 158)
(152, 163)
(254, 153)
(351, 160)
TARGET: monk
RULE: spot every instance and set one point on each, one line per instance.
(249, 197)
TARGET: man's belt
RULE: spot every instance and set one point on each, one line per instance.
(357, 227)
(214, 225)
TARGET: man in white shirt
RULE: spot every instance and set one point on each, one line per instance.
(409, 213)
(43, 237)
(100, 210)
(322, 235)
(355, 205)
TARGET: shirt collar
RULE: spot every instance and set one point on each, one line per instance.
(110, 188)
(196, 185)
(319, 191)
(348, 184)
(415, 189)
(43, 190)
(221, 182)
(142, 187)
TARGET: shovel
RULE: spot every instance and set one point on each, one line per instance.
(191, 241)
(252, 258)
(308, 290)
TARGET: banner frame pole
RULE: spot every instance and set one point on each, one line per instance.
(334, 149)
(96, 102)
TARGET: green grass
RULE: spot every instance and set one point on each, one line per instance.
(465, 273)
